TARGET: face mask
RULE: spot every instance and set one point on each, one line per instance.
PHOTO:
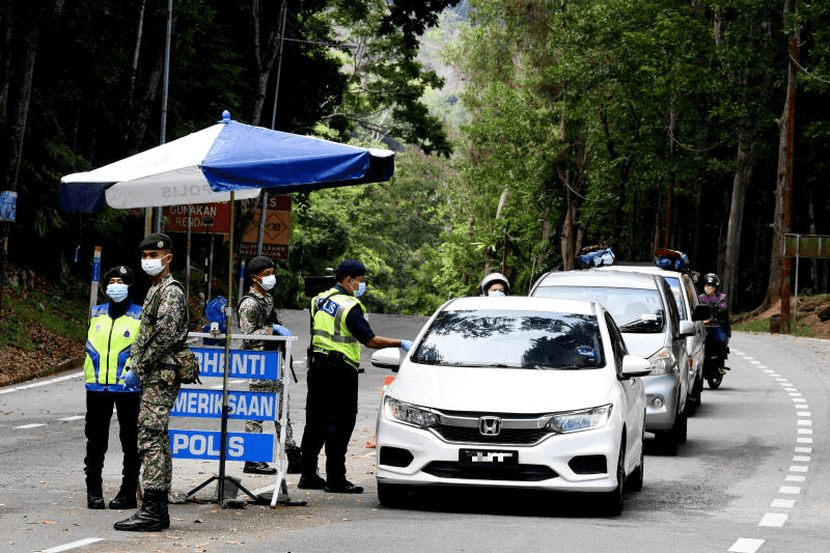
(152, 266)
(495, 294)
(118, 292)
(268, 282)
(361, 289)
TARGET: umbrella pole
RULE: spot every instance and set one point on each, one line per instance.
(228, 314)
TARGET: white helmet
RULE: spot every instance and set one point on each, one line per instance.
(492, 278)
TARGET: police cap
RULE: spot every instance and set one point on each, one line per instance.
(259, 264)
(349, 268)
(156, 241)
(120, 271)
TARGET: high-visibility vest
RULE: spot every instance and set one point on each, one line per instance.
(108, 347)
(329, 332)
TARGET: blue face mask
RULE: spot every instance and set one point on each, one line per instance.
(361, 289)
(118, 292)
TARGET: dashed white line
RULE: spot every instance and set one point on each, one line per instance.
(746, 545)
(73, 545)
(776, 520)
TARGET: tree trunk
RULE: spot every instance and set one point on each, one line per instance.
(740, 182)
(778, 286)
(266, 47)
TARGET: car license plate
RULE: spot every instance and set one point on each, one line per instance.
(488, 457)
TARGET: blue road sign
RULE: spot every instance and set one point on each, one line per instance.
(241, 446)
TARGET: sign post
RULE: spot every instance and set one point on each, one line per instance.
(804, 245)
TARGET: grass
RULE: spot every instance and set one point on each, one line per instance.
(64, 317)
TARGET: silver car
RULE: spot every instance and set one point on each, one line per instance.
(644, 308)
(685, 295)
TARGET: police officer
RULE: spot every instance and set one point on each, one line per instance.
(113, 326)
(339, 327)
(257, 315)
(163, 330)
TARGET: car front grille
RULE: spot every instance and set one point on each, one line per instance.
(515, 436)
(499, 428)
(518, 473)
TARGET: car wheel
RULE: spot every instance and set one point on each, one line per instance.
(634, 482)
(699, 389)
(681, 427)
(614, 499)
(392, 495)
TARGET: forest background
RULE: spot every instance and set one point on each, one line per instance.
(525, 130)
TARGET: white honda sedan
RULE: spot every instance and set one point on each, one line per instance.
(514, 392)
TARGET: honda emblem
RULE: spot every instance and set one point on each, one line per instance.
(489, 426)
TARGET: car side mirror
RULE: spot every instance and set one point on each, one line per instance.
(702, 313)
(634, 365)
(387, 358)
(687, 328)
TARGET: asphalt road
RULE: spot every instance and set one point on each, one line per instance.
(751, 478)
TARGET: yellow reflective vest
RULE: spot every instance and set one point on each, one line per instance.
(108, 347)
(329, 333)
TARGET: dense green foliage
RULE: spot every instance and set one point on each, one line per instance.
(578, 122)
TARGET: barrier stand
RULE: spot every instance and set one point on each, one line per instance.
(278, 445)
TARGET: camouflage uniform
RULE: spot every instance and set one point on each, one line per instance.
(163, 329)
(256, 316)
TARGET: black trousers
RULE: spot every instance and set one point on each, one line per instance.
(99, 407)
(331, 412)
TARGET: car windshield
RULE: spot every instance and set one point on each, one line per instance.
(512, 339)
(635, 310)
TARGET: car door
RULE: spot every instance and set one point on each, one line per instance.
(695, 344)
(632, 388)
(678, 341)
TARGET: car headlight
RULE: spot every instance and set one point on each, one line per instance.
(408, 413)
(662, 362)
(577, 421)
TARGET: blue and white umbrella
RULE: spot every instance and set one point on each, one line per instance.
(206, 166)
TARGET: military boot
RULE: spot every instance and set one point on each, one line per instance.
(152, 517)
(94, 494)
(126, 496)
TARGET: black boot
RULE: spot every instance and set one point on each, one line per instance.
(152, 517)
(295, 460)
(94, 495)
(125, 499)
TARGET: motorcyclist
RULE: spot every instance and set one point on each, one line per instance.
(494, 284)
(718, 329)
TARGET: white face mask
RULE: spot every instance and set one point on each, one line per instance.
(118, 292)
(495, 293)
(152, 266)
(268, 282)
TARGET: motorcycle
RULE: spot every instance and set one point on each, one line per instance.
(715, 354)
(714, 366)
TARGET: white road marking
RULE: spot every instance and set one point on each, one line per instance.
(41, 383)
(73, 545)
(776, 520)
(783, 503)
(28, 426)
(746, 545)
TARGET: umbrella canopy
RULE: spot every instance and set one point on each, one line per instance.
(206, 166)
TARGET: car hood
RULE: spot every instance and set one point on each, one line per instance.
(644, 345)
(502, 390)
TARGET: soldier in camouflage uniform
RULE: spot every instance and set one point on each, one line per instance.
(162, 332)
(257, 315)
